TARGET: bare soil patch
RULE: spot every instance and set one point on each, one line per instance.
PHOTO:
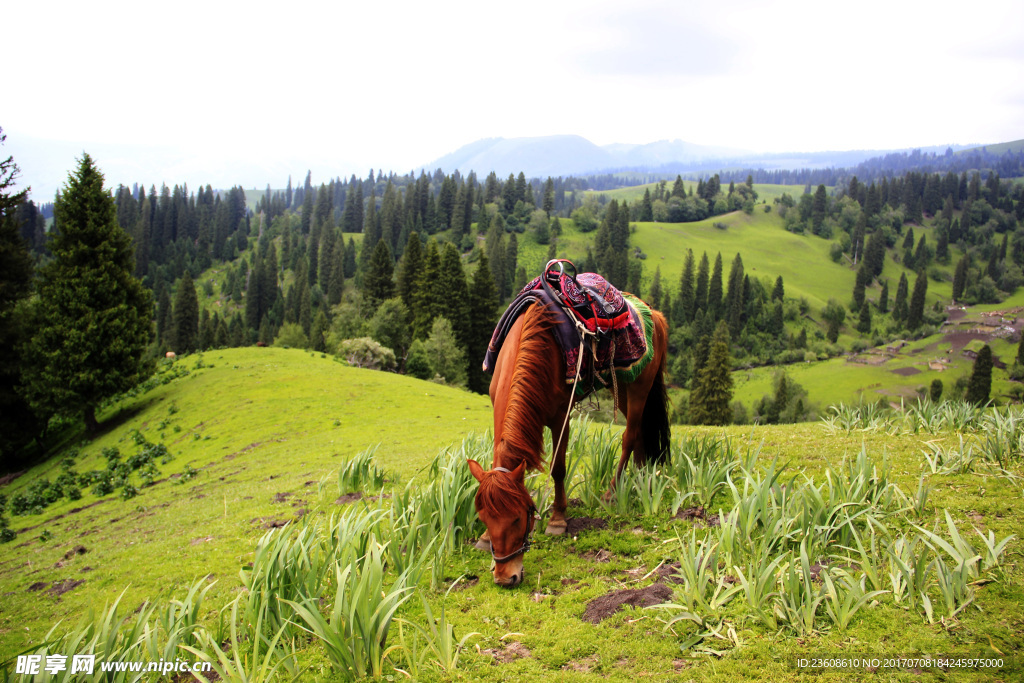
(281, 497)
(581, 665)
(468, 581)
(59, 588)
(510, 652)
(608, 604)
(349, 498)
(574, 525)
(77, 550)
(697, 515)
(599, 555)
(906, 372)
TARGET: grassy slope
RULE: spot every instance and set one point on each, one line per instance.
(275, 412)
(257, 422)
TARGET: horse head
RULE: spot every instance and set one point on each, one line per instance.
(506, 507)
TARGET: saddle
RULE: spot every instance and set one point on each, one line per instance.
(598, 305)
(616, 327)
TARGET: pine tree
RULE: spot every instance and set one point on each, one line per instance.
(700, 297)
(378, 285)
(715, 289)
(654, 296)
(779, 292)
(93, 316)
(899, 306)
(483, 316)
(864, 321)
(453, 283)
(409, 269)
(980, 384)
(915, 312)
(883, 298)
(710, 399)
(819, 209)
(687, 296)
(18, 423)
(858, 288)
(424, 306)
(960, 277)
(186, 316)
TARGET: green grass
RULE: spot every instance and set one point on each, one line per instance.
(255, 423)
(272, 421)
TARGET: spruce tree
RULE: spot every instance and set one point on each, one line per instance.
(654, 296)
(18, 423)
(715, 289)
(93, 316)
(483, 315)
(186, 316)
(378, 285)
(883, 298)
(687, 296)
(709, 401)
(779, 291)
(864, 320)
(453, 283)
(899, 306)
(700, 297)
(915, 312)
(979, 386)
(960, 277)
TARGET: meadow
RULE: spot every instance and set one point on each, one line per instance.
(761, 545)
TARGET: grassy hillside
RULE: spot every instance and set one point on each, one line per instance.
(264, 426)
(260, 425)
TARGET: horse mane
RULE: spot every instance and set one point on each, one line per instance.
(536, 374)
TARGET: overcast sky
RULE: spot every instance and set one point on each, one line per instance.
(250, 92)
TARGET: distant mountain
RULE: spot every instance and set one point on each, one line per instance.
(564, 155)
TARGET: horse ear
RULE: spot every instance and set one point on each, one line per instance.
(476, 470)
(520, 471)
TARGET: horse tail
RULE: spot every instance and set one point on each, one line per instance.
(655, 428)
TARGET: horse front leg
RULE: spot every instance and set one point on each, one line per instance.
(557, 524)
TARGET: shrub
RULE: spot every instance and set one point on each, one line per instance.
(364, 352)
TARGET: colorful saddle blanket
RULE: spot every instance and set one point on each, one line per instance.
(622, 322)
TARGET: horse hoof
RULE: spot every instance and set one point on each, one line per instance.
(556, 528)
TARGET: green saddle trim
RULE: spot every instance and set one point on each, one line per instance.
(629, 373)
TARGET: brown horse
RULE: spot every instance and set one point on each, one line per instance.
(529, 392)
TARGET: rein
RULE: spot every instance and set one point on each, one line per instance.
(527, 539)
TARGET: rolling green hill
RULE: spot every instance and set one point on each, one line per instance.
(264, 427)
(255, 423)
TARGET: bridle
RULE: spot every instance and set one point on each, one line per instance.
(527, 538)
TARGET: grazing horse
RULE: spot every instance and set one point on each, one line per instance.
(529, 392)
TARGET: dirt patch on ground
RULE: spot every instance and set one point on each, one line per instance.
(59, 588)
(958, 340)
(906, 372)
(697, 515)
(77, 550)
(574, 525)
(232, 456)
(349, 498)
(605, 606)
(510, 652)
(599, 555)
(668, 572)
(281, 497)
(582, 665)
(468, 581)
